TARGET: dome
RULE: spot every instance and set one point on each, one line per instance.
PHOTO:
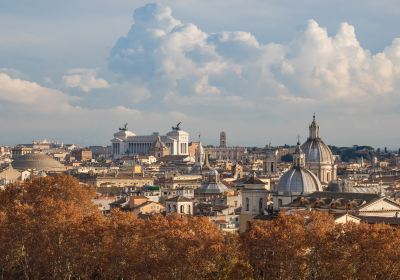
(213, 185)
(315, 150)
(38, 161)
(212, 188)
(298, 180)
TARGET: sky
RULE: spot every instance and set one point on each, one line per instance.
(77, 70)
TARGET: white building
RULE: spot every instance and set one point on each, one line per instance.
(126, 142)
(180, 205)
(255, 197)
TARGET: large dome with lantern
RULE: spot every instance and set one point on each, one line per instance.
(298, 180)
(315, 150)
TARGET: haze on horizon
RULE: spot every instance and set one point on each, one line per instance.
(77, 70)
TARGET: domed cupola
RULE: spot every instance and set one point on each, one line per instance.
(296, 181)
(316, 151)
(319, 158)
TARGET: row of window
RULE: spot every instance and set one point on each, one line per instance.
(260, 205)
(173, 208)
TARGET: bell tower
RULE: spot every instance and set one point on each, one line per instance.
(299, 158)
(222, 139)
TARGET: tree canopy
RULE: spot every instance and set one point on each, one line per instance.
(50, 229)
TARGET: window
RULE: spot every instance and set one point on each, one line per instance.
(189, 210)
(260, 206)
(280, 202)
(182, 209)
(247, 204)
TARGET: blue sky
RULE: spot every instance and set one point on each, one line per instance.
(76, 70)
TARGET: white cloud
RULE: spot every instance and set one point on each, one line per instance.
(313, 67)
(172, 69)
(21, 92)
(84, 79)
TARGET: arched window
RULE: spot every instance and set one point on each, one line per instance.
(260, 206)
(182, 209)
(247, 204)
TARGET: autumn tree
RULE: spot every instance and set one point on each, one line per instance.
(50, 229)
(310, 245)
(276, 249)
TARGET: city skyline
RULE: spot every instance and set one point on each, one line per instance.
(75, 72)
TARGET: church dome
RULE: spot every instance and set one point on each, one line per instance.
(38, 161)
(315, 150)
(298, 180)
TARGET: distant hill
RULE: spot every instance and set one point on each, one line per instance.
(353, 153)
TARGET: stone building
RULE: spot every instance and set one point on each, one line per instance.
(126, 142)
(256, 195)
(180, 205)
(159, 149)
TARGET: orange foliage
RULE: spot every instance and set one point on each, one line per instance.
(311, 246)
(50, 229)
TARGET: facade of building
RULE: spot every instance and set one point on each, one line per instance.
(140, 205)
(270, 163)
(120, 180)
(20, 151)
(236, 154)
(180, 205)
(223, 152)
(82, 155)
(255, 197)
(126, 142)
(159, 149)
